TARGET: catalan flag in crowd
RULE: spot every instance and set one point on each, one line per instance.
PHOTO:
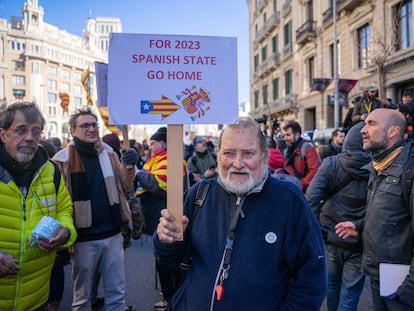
(101, 70)
(103, 111)
(64, 97)
(87, 86)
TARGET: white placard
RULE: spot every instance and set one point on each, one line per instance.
(172, 79)
(391, 277)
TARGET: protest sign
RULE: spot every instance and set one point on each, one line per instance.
(172, 79)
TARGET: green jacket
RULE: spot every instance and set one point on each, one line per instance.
(29, 289)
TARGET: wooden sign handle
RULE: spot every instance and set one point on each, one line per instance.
(175, 189)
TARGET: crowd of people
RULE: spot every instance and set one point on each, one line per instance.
(269, 223)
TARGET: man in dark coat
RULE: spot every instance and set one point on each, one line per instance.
(338, 193)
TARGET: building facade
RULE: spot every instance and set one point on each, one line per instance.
(292, 43)
(39, 62)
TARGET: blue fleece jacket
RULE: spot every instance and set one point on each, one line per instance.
(278, 256)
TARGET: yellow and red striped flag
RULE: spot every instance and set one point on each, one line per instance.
(87, 86)
(103, 111)
(64, 97)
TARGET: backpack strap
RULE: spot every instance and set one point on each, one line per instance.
(201, 195)
(56, 177)
(303, 148)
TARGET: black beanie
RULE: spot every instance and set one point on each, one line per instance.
(160, 135)
(353, 139)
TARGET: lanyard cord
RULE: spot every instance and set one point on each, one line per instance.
(228, 250)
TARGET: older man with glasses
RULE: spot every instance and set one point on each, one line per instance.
(31, 188)
(98, 184)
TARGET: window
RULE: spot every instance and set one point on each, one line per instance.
(35, 48)
(77, 101)
(256, 99)
(265, 95)
(264, 53)
(36, 67)
(51, 98)
(405, 25)
(288, 82)
(19, 80)
(64, 87)
(311, 70)
(52, 110)
(264, 18)
(287, 38)
(274, 6)
(77, 90)
(52, 129)
(19, 94)
(51, 84)
(364, 39)
(51, 71)
(18, 65)
(18, 46)
(256, 62)
(275, 84)
(65, 74)
(275, 44)
(77, 77)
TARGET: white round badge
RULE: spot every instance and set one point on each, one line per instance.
(270, 237)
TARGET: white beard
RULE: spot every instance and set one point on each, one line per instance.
(24, 157)
(241, 188)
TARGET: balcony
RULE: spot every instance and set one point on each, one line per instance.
(284, 105)
(306, 32)
(267, 66)
(270, 24)
(286, 7)
(327, 17)
(349, 5)
(261, 5)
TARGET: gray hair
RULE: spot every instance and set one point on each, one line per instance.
(247, 122)
(29, 109)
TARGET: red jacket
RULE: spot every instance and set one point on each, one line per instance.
(276, 159)
(305, 168)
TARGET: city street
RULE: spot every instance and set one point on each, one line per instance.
(140, 277)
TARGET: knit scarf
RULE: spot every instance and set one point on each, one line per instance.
(382, 161)
(77, 170)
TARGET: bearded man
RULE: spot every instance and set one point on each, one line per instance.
(255, 244)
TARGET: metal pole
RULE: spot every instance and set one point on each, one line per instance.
(335, 52)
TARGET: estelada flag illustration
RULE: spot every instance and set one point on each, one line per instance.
(87, 86)
(164, 107)
(64, 97)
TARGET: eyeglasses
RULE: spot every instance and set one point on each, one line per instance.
(86, 126)
(23, 130)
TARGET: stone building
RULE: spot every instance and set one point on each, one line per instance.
(292, 43)
(38, 62)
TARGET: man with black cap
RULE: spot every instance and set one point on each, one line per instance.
(152, 190)
(202, 164)
(407, 100)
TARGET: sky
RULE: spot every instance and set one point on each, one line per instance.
(224, 18)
